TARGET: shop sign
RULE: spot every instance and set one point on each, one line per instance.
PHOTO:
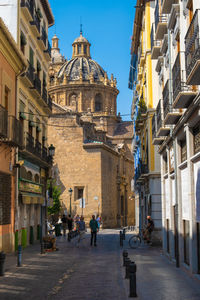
(30, 187)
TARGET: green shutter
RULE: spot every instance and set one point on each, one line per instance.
(31, 57)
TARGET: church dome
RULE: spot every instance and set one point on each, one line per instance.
(83, 67)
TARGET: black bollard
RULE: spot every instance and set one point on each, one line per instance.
(132, 270)
(124, 234)
(127, 274)
(121, 238)
(19, 256)
(2, 260)
(125, 254)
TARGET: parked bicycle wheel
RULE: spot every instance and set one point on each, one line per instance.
(134, 241)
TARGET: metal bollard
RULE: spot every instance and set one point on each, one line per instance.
(124, 234)
(127, 274)
(125, 254)
(2, 260)
(19, 256)
(121, 238)
(132, 270)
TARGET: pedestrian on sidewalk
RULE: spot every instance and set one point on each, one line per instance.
(94, 229)
(64, 224)
(81, 229)
(149, 229)
(69, 223)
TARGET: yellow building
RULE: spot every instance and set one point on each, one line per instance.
(12, 63)
(93, 155)
(147, 161)
(28, 21)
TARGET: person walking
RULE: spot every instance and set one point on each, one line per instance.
(81, 229)
(64, 224)
(69, 223)
(94, 228)
(149, 229)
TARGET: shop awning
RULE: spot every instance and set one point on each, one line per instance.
(32, 199)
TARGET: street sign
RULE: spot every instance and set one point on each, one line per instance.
(96, 198)
(82, 203)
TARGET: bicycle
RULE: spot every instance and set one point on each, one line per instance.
(137, 239)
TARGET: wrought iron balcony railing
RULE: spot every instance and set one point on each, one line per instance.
(44, 36)
(30, 73)
(3, 122)
(48, 50)
(37, 84)
(30, 143)
(182, 93)
(167, 5)
(36, 22)
(144, 169)
(154, 126)
(159, 115)
(44, 154)
(160, 19)
(29, 4)
(44, 94)
(166, 105)
(155, 44)
(192, 50)
(38, 148)
(15, 132)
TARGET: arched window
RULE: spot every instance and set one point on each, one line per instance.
(73, 102)
(98, 102)
(79, 48)
(29, 175)
(22, 172)
(37, 178)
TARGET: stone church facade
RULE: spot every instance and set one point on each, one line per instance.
(93, 145)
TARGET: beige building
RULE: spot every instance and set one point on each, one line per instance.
(93, 145)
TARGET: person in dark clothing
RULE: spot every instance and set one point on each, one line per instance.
(149, 229)
(64, 224)
(94, 229)
(69, 223)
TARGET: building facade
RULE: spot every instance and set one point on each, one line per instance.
(141, 80)
(12, 63)
(176, 48)
(28, 22)
(93, 144)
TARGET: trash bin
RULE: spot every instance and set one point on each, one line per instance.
(2, 260)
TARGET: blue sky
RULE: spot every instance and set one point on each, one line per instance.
(108, 25)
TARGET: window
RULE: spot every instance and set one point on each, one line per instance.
(80, 193)
(196, 133)
(79, 48)
(98, 102)
(44, 80)
(38, 68)
(85, 49)
(22, 42)
(31, 57)
(183, 150)
(6, 98)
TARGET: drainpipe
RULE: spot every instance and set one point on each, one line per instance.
(175, 157)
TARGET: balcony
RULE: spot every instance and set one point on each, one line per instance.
(155, 140)
(27, 7)
(30, 143)
(160, 23)
(14, 136)
(48, 51)
(155, 44)
(44, 95)
(37, 84)
(45, 156)
(3, 122)
(38, 148)
(170, 116)
(182, 93)
(192, 51)
(162, 130)
(36, 25)
(43, 39)
(166, 5)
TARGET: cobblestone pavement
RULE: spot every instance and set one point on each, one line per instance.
(94, 273)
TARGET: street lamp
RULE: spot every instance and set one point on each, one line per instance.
(70, 195)
(51, 150)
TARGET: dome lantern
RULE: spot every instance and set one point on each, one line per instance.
(81, 47)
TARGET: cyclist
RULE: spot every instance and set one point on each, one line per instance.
(149, 229)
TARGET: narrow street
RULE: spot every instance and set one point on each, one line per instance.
(91, 273)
